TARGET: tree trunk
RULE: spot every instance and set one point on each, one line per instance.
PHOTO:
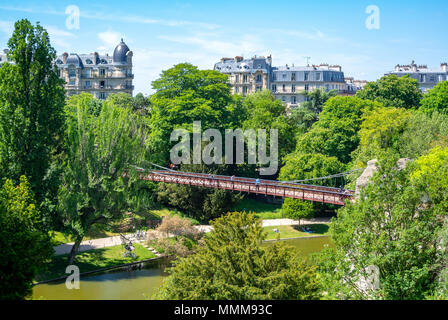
(74, 250)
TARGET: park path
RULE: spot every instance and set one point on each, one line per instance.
(116, 240)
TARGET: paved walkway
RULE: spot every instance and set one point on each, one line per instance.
(115, 240)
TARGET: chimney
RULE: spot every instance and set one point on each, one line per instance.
(64, 57)
(443, 66)
(238, 58)
(96, 57)
(269, 59)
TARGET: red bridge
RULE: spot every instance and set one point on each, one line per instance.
(267, 187)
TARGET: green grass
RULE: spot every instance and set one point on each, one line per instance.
(96, 232)
(92, 260)
(287, 232)
(262, 210)
(162, 211)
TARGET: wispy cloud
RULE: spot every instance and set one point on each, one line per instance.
(115, 17)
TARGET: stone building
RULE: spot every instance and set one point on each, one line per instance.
(427, 78)
(100, 75)
(287, 83)
(246, 76)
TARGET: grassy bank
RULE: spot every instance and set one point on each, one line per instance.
(262, 210)
(287, 232)
(92, 260)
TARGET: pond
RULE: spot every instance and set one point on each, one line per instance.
(137, 284)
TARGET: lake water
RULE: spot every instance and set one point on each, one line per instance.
(137, 284)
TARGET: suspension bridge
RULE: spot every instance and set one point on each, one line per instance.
(284, 189)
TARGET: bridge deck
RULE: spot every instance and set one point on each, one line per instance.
(250, 185)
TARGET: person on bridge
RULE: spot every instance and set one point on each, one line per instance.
(257, 181)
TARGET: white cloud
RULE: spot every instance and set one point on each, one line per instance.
(7, 27)
(110, 40)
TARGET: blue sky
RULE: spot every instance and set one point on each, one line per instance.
(164, 33)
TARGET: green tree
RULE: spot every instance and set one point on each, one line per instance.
(298, 209)
(232, 265)
(336, 132)
(24, 248)
(387, 227)
(380, 132)
(185, 94)
(100, 150)
(393, 91)
(266, 112)
(31, 109)
(436, 99)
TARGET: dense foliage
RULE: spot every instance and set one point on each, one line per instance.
(24, 246)
(31, 111)
(393, 91)
(232, 265)
(99, 151)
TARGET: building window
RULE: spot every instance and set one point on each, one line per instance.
(237, 79)
(422, 78)
(307, 87)
(293, 88)
(71, 82)
(274, 88)
(318, 76)
(101, 84)
(87, 84)
(258, 88)
(102, 72)
(284, 99)
(274, 76)
(293, 100)
(245, 78)
(87, 73)
(237, 89)
(244, 90)
(307, 76)
(258, 78)
(102, 95)
(284, 76)
(72, 73)
(441, 78)
(293, 76)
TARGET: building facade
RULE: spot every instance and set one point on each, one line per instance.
(99, 75)
(287, 83)
(427, 78)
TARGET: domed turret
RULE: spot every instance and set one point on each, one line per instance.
(120, 52)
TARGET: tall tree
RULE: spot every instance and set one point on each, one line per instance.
(436, 99)
(31, 108)
(24, 248)
(232, 265)
(393, 91)
(391, 228)
(99, 151)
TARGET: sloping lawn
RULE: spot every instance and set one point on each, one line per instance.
(287, 232)
(93, 260)
(262, 210)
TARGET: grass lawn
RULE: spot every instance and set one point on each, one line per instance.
(287, 232)
(162, 211)
(94, 233)
(262, 210)
(93, 260)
